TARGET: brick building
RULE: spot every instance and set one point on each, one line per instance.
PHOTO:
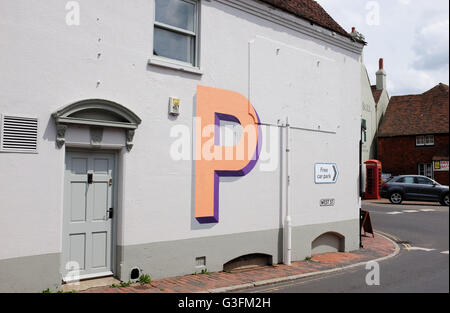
(414, 135)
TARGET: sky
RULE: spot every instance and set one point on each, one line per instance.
(411, 35)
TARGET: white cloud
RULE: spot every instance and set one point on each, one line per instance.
(412, 82)
(412, 37)
(432, 46)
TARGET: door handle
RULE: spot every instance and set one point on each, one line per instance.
(110, 212)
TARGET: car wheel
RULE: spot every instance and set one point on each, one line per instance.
(445, 200)
(396, 198)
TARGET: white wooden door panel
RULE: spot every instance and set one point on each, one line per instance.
(88, 196)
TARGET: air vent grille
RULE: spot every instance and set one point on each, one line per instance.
(18, 134)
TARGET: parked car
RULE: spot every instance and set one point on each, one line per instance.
(414, 187)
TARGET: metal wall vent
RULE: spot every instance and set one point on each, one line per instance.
(18, 134)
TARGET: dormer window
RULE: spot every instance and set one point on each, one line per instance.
(427, 140)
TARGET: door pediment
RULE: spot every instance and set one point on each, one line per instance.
(98, 113)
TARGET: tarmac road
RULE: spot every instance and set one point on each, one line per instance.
(422, 232)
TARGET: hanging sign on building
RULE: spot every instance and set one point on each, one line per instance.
(441, 166)
(326, 173)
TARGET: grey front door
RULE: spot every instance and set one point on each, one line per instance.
(87, 216)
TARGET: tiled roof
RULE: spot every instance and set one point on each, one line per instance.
(311, 11)
(426, 113)
(376, 93)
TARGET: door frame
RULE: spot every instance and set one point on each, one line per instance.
(114, 224)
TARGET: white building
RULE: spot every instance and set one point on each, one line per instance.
(375, 100)
(85, 128)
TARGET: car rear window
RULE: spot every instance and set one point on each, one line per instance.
(405, 180)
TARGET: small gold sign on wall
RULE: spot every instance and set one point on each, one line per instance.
(174, 106)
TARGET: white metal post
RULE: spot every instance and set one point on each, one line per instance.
(288, 222)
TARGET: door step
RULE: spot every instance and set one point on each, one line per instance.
(90, 283)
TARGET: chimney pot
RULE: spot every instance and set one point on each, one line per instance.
(381, 76)
(353, 29)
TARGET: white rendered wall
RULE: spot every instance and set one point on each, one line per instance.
(47, 64)
(370, 114)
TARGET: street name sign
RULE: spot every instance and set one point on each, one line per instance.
(326, 173)
(327, 202)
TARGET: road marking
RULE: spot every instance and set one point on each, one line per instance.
(411, 211)
(411, 248)
(420, 249)
(395, 238)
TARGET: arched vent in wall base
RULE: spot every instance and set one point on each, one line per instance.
(328, 242)
(248, 261)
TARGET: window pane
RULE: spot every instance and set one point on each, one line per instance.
(424, 181)
(174, 46)
(420, 140)
(429, 170)
(406, 180)
(422, 169)
(176, 13)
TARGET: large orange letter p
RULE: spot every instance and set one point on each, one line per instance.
(215, 105)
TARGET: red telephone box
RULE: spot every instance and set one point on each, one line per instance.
(374, 179)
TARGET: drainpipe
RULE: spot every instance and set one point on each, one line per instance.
(287, 223)
(360, 190)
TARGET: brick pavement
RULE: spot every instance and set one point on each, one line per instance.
(374, 248)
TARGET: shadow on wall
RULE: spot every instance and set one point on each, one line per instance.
(328, 242)
(50, 131)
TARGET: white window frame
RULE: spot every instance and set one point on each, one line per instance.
(425, 140)
(429, 140)
(427, 169)
(176, 64)
(420, 143)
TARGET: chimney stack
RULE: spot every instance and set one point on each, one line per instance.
(381, 76)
